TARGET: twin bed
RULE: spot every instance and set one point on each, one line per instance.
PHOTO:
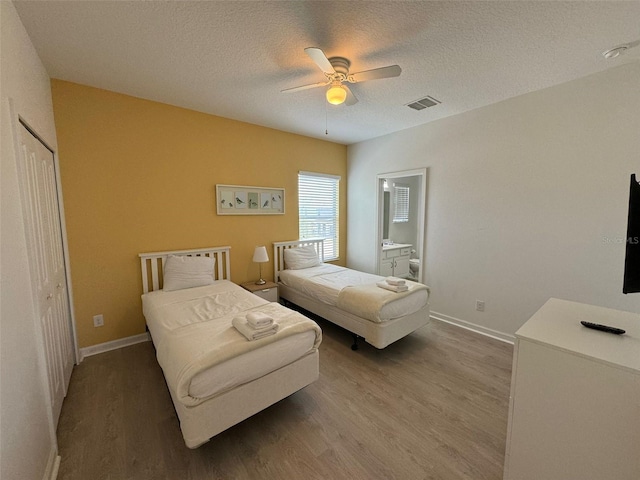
(216, 377)
(346, 297)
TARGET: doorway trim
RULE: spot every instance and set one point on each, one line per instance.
(422, 201)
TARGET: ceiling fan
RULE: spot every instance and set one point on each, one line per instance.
(336, 69)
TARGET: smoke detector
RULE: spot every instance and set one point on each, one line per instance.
(616, 51)
(619, 50)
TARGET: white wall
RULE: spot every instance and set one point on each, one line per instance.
(527, 199)
(27, 436)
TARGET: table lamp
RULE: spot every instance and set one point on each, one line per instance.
(260, 256)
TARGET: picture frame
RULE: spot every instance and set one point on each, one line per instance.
(247, 200)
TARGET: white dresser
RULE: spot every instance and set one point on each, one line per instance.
(574, 410)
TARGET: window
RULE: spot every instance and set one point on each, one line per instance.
(318, 210)
(401, 202)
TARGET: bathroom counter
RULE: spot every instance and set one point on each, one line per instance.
(394, 246)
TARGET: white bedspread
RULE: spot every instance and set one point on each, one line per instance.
(369, 300)
(325, 283)
(166, 311)
(201, 353)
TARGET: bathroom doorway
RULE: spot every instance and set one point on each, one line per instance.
(401, 224)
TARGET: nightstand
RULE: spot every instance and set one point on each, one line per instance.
(268, 291)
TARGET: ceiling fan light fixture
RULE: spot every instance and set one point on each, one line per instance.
(336, 94)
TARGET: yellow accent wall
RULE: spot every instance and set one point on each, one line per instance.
(140, 176)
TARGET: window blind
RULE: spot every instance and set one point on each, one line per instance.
(318, 207)
(401, 202)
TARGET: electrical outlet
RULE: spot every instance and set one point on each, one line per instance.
(98, 320)
(480, 305)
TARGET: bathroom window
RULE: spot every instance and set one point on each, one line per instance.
(318, 209)
(401, 203)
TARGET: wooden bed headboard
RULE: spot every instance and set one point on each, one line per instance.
(280, 247)
(152, 264)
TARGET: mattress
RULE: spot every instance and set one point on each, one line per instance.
(170, 313)
(325, 282)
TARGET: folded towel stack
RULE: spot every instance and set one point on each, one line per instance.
(266, 325)
(395, 281)
(259, 319)
(393, 288)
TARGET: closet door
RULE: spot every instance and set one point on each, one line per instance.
(46, 261)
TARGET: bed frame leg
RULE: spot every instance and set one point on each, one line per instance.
(355, 342)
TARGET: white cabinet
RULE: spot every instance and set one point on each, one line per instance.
(386, 267)
(394, 261)
(268, 290)
(574, 410)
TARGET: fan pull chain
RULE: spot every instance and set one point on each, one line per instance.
(326, 122)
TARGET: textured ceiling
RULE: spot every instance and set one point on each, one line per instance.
(232, 58)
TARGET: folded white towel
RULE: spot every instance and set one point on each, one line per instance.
(241, 324)
(259, 320)
(395, 281)
(393, 288)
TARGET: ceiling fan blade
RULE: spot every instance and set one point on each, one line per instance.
(320, 59)
(351, 98)
(304, 87)
(377, 73)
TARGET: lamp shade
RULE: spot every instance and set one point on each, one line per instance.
(336, 95)
(260, 255)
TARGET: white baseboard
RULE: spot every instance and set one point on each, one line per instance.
(113, 345)
(53, 465)
(488, 332)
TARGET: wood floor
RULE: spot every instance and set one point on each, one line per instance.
(431, 406)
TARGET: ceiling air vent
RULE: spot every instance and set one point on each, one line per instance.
(423, 103)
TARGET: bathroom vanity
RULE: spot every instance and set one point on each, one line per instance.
(394, 261)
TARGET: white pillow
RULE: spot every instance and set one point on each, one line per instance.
(301, 257)
(187, 272)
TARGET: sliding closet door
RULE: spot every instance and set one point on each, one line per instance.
(46, 261)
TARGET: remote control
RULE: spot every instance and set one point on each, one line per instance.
(604, 328)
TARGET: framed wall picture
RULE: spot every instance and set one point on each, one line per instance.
(243, 200)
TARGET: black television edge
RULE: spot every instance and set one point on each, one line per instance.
(631, 282)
